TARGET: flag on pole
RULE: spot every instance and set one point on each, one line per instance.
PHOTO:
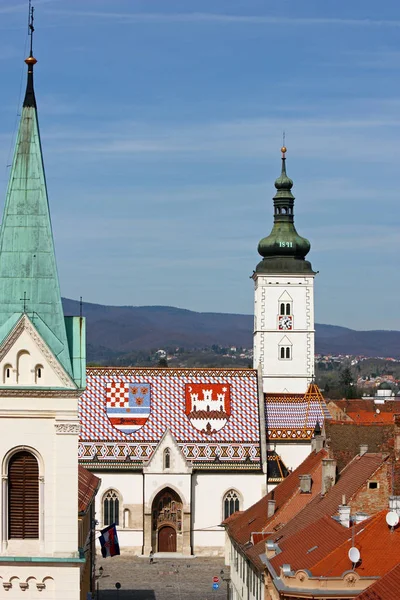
(109, 541)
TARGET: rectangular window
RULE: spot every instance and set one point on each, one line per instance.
(373, 485)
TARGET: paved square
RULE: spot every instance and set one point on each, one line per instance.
(165, 579)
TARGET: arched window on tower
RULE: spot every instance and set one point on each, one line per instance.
(38, 373)
(282, 352)
(288, 308)
(111, 508)
(230, 503)
(167, 458)
(23, 496)
(282, 310)
(7, 373)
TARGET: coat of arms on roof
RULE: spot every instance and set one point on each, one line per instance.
(208, 405)
(128, 405)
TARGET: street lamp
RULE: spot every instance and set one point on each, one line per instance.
(227, 580)
(98, 577)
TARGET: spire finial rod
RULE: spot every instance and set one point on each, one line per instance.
(283, 149)
(30, 26)
(30, 61)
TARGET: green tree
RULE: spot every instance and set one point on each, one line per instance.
(347, 383)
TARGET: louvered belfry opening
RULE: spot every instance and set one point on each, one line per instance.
(23, 496)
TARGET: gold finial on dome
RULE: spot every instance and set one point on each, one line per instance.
(283, 150)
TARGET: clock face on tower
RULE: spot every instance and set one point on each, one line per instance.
(285, 322)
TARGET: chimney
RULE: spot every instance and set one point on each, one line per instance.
(271, 549)
(328, 474)
(271, 508)
(394, 504)
(305, 484)
(344, 513)
(360, 516)
(363, 449)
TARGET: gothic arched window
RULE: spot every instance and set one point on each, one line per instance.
(110, 508)
(282, 308)
(23, 496)
(167, 458)
(288, 308)
(231, 503)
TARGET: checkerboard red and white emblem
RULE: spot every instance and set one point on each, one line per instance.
(128, 405)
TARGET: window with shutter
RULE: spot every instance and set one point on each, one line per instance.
(23, 496)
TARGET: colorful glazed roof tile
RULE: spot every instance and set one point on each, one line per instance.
(277, 470)
(294, 416)
(212, 413)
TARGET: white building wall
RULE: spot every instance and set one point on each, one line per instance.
(37, 581)
(283, 375)
(49, 428)
(292, 453)
(208, 494)
(246, 582)
(129, 487)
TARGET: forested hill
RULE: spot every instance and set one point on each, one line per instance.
(116, 330)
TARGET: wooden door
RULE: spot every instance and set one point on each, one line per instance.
(167, 539)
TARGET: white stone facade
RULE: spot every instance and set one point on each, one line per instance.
(45, 424)
(284, 346)
(202, 496)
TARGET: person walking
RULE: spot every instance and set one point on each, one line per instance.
(151, 556)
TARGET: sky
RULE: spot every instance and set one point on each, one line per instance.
(161, 125)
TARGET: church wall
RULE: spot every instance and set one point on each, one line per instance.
(208, 535)
(292, 453)
(61, 582)
(129, 487)
(48, 428)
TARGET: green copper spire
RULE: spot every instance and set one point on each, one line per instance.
(28, 271)
(284, 250)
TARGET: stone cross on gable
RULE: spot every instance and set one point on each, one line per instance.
(24, 300)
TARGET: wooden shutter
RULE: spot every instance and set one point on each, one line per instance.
(23, 496)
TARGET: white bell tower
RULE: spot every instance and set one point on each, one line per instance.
(284, 301)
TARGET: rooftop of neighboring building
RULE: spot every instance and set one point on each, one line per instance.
(386, 588)
(364, 410)
(350, 481)
(288, 500)
(378, 546)
(88, 485)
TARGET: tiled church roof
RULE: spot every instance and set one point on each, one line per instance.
(236, 443)
(294, 416)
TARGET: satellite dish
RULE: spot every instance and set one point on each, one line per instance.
(354, 555)
(392, 518)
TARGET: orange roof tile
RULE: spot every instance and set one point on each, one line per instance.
(88, 484)
(378, 545)
(288, 501)
(310, 545)
(353, 476)
(386, 588)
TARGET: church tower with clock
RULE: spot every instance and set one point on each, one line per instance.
(284, 300)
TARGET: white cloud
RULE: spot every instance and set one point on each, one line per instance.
(198, 17)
